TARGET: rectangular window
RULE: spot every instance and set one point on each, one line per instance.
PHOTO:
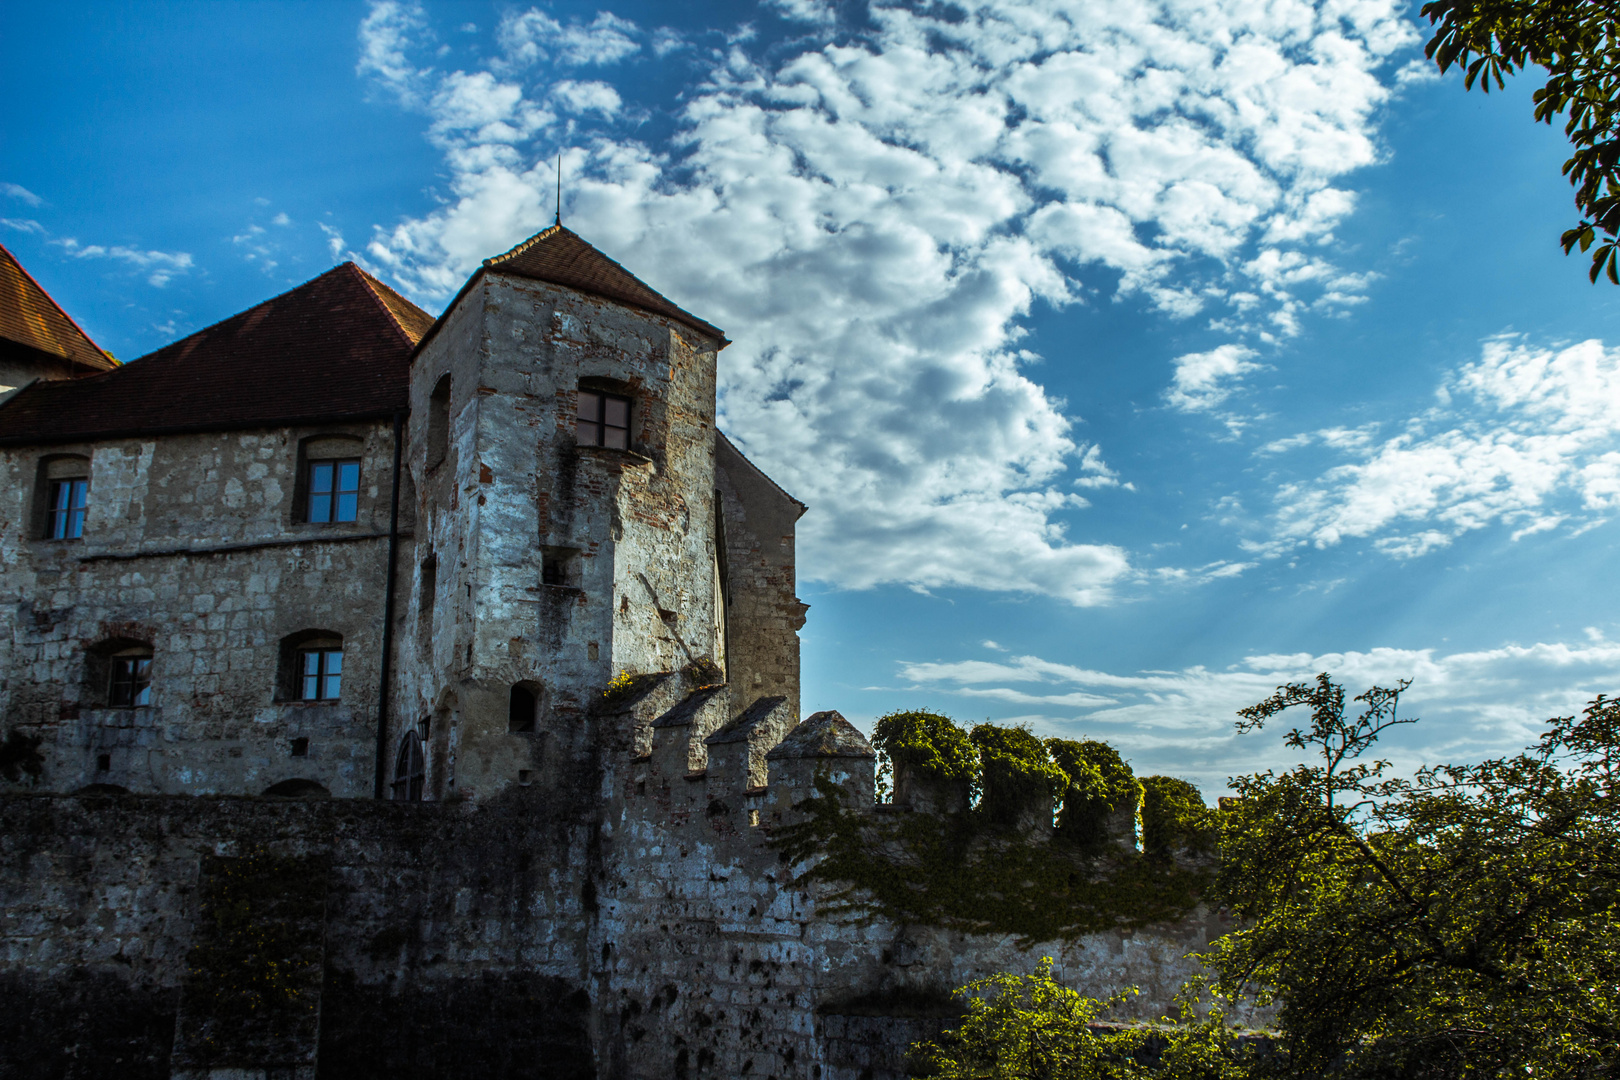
(131, 682)
(68, 499)
(603, 420)
(334, 490)
(320, 674)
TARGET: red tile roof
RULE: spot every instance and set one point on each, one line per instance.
(335, 348)
(562, 258)
(30, 317)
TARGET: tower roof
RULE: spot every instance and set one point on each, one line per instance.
(335, 348)
(29, 317)
(563, 258)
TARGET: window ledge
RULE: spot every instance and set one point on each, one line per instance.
(613, 452)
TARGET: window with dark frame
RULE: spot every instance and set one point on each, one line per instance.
(603, 420)
(410, 772)
(68, 499)
(131, 682)
(334, 491)
(320, 674)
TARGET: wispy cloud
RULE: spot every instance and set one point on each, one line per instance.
(1527, 436)
(160, 267)
(20, 193)
(1473, 704)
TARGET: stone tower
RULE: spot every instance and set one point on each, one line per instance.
(570, 521)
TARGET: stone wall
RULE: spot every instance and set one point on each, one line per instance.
(193, 546)
(627, 920)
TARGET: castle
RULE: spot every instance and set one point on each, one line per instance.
(443, 673)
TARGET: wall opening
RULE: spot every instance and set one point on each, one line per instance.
(426, 597)
(523, 711)
(298, 788)
(438, 425)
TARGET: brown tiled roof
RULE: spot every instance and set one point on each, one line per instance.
(30, 317)
(337, 347)
(562, 258)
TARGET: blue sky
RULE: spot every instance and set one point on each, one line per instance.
(1132, 357)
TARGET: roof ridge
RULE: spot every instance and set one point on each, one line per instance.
(59, 309)
(544, 234)
(371, 284)
(239, 314)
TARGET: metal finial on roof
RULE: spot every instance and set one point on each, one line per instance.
(559, 189)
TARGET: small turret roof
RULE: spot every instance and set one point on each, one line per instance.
(826, 734)
(563, 258)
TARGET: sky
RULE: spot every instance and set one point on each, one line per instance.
(1133, 357)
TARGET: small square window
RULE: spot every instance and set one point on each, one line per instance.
(131, 682)
(320, 674)
(68, 498)
(300, 747)
(334, 491)
(603, 420)
(103, 763)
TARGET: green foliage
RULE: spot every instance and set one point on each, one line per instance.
(1577, 43)
(1465, 921)
(1100, 786)
(1015, 772)
(1174, 818)
(930, 745)
(968, 871)
(1031, 1027)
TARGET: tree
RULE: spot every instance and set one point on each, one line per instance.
(1464, 921)
(1576, 42)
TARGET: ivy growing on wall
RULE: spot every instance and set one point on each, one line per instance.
(1026, 837)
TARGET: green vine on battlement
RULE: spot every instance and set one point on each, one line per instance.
(993, 866)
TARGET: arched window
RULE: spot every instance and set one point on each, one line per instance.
(410, 770)
(311, 666)
(298, 788)
(524, 708)
(118, 674)
(438, 424)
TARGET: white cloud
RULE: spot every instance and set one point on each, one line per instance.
(1526, 437)
(818, 12)
(584, 97)
(1204, 380)
(531, 36)
(17, 191)
(388, 32)
(873, 220)
(159, 266)
(27, 225)
(1472, 704)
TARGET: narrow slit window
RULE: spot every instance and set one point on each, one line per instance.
(603, 420)
(334, 491)
(320, 674)
(131, 682)
(68, 499)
